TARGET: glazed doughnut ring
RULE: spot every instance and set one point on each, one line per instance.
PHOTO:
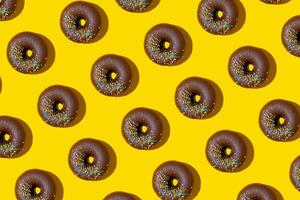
(35, 184)
(27, 52)
(279, 120)
(195, 97)
(226, 151)
(218, 16)
(89, 159)
(173, 180)
(80, 22)
(58, 106)
(165, 44)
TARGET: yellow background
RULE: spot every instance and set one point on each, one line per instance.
(156, 88)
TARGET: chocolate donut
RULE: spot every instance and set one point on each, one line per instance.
(111, 75)
(58, 106)
(7, 8)
(290, 35)
(295, 173)
(35, 184)
(173, 180)
(195, 97)
(134, 5)
(257, 191)
(80, 22)
(27, 52)
(12, 137)
(274, 1)
(218, 16)
(89, 159)
(120, 196)
(279, 120)
(226, 151)
(165, 44)
(142, 128)
(249, 67)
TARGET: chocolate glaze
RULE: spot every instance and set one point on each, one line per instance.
(216, 151)
(295, 173)
(79, 155)
(238, 67)
(7, 8)
(154, 44)
(17, 52)
(101, 71)
(120, 196)
(290, 35)
(269, 120)
(70, 22)
(173, 170)
(274, 1)
(134, 5)
(257, 191)
(34, 178)
(48, 106)
(17, 135)
(208, 16)
(186, 92)
(134, 121)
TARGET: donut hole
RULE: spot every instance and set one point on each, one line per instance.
(80, 22)
(36, 190)
(196, 98)
(226, 152)
(173, 182)
(143, 129)
(164, 45)
(248, 68)
(27, 53)
(58, 106)
(111, 76)
(279, 120)
(4, 137)
(89, 160)
(218, 14)
(298, 38)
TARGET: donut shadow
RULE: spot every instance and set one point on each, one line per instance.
(272, 69)
(81, 110)
(166, 131)
(297, 134)
(276, 192)
(135, 197)
(59, 186)
(219, 100)
(112, 161)
(104, 24)
(249, 155)
(188, 47)
(18, 10)
(197, 182)
(135, 77)
(241, 18)
(0, 85)
(28, 138)
(51, 54)
(151, 6)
